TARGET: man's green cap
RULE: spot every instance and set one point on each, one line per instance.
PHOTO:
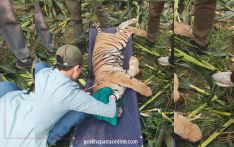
(69, 55)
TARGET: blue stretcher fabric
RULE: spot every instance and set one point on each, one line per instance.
(93, 132)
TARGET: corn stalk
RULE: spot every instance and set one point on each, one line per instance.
(217, 133)
(187, 58)
(154, 97)
(146, 49)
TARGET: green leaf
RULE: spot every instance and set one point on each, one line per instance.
(8, 69)
(187, 58)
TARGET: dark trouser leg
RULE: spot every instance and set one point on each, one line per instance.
(99, 10)
(64, 125)
(11, 31)
(204, 19)
(42, 29)
(155, 9)
(74, 7)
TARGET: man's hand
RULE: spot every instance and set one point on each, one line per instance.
(113, 97)
(119, 92)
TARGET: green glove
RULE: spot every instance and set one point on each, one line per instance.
(103, 96)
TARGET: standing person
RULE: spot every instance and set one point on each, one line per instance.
(11, 31)
(43, 30)
(74, 8)
(155, 10)
(57, 94)
(203, 22)
(13, 35)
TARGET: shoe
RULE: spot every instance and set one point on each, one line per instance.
(51, 52)
(223, 79)
(25, 65)
(198, 48)
(149, 43)
(171, 60)
(164, 61)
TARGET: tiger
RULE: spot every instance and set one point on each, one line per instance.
(107, 60)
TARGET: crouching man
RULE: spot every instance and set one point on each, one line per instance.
(57, 94)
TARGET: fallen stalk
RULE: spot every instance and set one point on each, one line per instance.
(154, 97)
(187, 58)
(150, 67)
(196, 111)
(162, 113)
(60, 26)
(146, 49)
(150, 78)
(225, 6)
(217, 133)
(198, 89)
(24, 25)
(219, 112)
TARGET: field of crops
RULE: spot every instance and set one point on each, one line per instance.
(209, 106)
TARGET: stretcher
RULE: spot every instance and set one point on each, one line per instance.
(93, 132)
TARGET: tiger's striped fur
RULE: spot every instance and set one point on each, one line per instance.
(108, 61)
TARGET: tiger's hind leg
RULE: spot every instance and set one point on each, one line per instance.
(126, 80)
(117, 89)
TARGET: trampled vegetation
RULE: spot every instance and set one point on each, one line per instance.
(204, 103)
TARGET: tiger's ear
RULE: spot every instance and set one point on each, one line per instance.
(136, 31)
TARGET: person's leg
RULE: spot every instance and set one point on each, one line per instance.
(204, 19)
(74, 8)
(99, 10)
(40, 66)
(6, 87)
(64, 125)
(13, 35)
(43, 30)
(155, 10)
